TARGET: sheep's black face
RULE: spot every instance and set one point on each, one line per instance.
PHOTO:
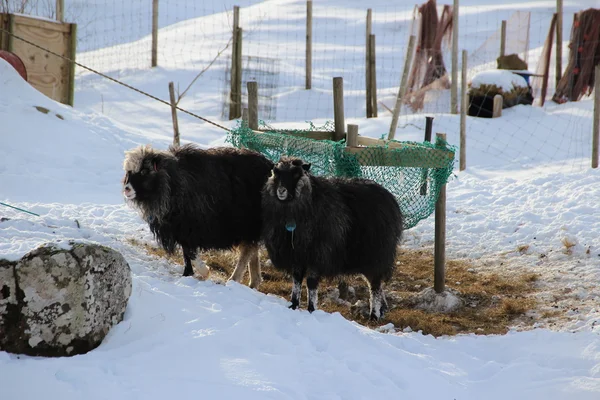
(289, 179)
(141, 182)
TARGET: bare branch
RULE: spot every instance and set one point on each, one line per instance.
(204, 70)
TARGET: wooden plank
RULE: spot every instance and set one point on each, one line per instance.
(352, 136)
(154, 61)
(373, 73)
(60, 10)
(338, 108)
(439, 251)
(403, 85)
(309, 13)
(176, 139)
(383, 157)
(49, 74)
(503, 38)
(46, 25)
(252, 105)
(71, 65)
(369, 104)
(596, 119)
(464, 106)
(454, 83)
(316, 135)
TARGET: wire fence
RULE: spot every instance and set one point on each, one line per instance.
(115, 37)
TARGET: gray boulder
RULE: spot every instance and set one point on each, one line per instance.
(61, 302)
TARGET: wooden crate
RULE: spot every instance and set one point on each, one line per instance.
(51, 75)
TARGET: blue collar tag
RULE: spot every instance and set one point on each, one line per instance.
(290, 226)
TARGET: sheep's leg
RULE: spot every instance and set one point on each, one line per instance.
(240, 268)
(311, 290)
(296, 289)
(254, 269)
(193, 262)
(377, 300)
(187, 270)
(384, 303)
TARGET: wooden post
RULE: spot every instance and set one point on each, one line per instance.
(559, 39)
(547, 61)
(252, 105)
(60, 10)
(369, 96)
(402, 89)
(235, 91)
(497, 107)
(309, 4)
(174, 115)
(373, 73)
(439, 252)
(154, 33)
(245, 116)
(338, 108)
(454, 87)
(464, 105)
(428, 129)
(72, 55)
(503, 39)
(352, 136)
(596, 119)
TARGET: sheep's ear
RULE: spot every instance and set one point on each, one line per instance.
(306, 166)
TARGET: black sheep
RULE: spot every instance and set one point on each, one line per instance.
(200, 199)
(325, 227)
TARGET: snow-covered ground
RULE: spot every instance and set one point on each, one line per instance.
(527, 195)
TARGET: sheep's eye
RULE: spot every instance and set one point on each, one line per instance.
(144, 171)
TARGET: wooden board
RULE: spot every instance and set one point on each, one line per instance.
(385, 157)
(382, 157)
(51, 75)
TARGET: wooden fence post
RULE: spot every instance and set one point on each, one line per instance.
(154, 33)
(245, 116)
(235, 94)
(439, 252)
(503, 39)
(309, 13)
(428, 129)
(373, 75)
(60, 10)
(338, 108)
(596, 119)
(402, 89)
(559, 39)
(252, 105)
(497, 107)
(464, 106)
(454, 86)
(368, 64)
(352, 136)
(174, 115)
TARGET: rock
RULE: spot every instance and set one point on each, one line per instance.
(446, 302)
(62, 301)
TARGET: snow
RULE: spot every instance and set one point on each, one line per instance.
(527, 192)
(505, 80)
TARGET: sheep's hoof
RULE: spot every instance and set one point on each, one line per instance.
(374, 316)
(255, 284)
(294, 306)
(311, 308)
(187, 272)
